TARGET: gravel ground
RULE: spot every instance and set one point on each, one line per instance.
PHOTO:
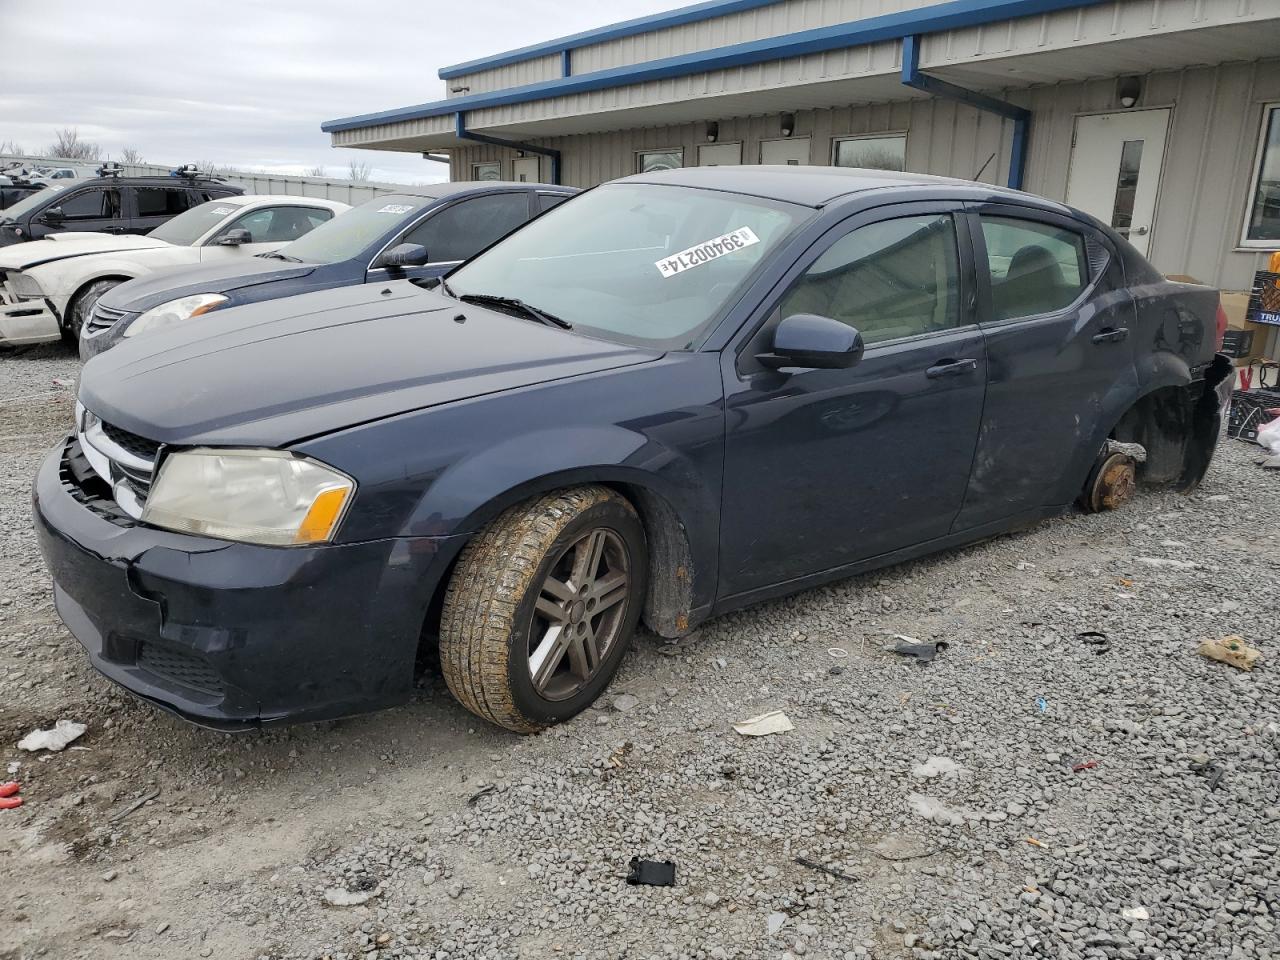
(1027, 794)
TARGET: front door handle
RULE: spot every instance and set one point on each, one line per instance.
(1111, 335)
(951, 368)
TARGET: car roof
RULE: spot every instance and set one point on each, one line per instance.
(811, 186)
(263, 199)
(157, 181)
(438, 191)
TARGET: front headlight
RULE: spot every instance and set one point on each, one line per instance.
(175, 311)
(24, 286)
(257, 496)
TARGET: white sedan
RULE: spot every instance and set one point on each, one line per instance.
(48, 287)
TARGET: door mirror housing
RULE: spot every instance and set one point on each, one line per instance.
(235, 238)
(53, 215)
(819, 343)
(403, 255)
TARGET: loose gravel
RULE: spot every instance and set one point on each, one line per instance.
(1030, 793)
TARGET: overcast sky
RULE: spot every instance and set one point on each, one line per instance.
(248, 83)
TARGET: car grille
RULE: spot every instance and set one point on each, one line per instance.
(179, 665)
(102, 319)
(123, 460)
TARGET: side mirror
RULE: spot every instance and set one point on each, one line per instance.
(808, 340)
(53, 215)
(235, 238)
(403, 255)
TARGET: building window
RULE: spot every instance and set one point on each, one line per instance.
(871, 153)
(486, 171)
(1262, 224)
(649, 160)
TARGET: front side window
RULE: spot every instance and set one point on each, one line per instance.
(91, 205)
(639, 263)
(161, 201)
(44, 199)
(274, 224)
(465, 228)
(186, 228)
(1035, 267)
(486, 171)
(871, 153)
(1262, 224)
(896, 278)
(361, 229)
(650, 160)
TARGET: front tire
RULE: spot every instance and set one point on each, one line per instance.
(541, 607)
(82, 309)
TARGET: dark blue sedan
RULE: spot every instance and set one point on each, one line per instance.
(674, 395)
(424, 232)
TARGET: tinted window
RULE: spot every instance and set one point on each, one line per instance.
(161, 201)
(464, 229)
(896, 278)
(1035, 267)
(91, 204)
(278, 224)
(357, 230)
(548, 200)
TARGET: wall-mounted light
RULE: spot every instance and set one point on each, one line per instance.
(713, 131)
(788, 124)
(1128, 90)
(520, 154)
(459, 89)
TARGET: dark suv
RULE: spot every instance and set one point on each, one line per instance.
(109, 203)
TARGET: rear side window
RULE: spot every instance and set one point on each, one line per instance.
(548, 200)
(462, 230)
(1035, 267)
(161, 201)
(91, 205)
(892, 279)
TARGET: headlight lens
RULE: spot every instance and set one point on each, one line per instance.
(24, 287)
(257, 496)
(174, 312)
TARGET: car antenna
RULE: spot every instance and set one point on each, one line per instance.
(982, 169)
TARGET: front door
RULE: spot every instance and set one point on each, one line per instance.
(827, 467)
(525, 170)
(719, 154)
(1116, 160)
(791, 151)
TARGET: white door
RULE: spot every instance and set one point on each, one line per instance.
(525, 170)
(793, 151)
(1116, 160)
(719, 154)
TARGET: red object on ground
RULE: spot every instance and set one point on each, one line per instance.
(10, 788)
(10, 803)
(1087, 765)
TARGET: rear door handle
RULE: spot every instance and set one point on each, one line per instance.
(951, 368)
(1111, 335)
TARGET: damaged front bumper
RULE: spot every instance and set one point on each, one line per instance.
(27, 321)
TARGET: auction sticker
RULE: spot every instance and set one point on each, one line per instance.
(706, 251)
(396, 208)
(222, 211)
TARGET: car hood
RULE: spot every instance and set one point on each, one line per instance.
(274, 373)
(60, 246)
(157, 288)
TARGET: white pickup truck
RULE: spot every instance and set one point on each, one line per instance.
(48, 287)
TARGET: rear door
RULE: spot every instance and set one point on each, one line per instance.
(155, 205)
(1055, 314)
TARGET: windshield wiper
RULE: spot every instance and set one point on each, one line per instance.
(486, 299)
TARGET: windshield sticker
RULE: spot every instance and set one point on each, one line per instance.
(222, 211)
(396, 208)
(705, 252)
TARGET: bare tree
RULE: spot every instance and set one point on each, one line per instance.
(69, 146)
(317, 172)
(359, 171)
(130, 155)
(11, 148)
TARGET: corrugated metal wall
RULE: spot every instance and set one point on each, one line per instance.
(1213, 136)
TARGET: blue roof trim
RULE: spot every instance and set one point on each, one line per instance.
(707, 10)
(894, 26)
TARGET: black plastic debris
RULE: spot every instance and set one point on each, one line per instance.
(482, 792)
(823, 868)
(1210, 770)
(923, 652)
(651, 873)
(1094, 639)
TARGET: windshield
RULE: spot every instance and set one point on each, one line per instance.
(349, 234)
(641, 263)
(184, 229)
(33, 202)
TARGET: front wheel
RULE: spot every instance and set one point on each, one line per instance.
(82, 309)
(541, 607)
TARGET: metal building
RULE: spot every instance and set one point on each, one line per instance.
(1159, 116)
